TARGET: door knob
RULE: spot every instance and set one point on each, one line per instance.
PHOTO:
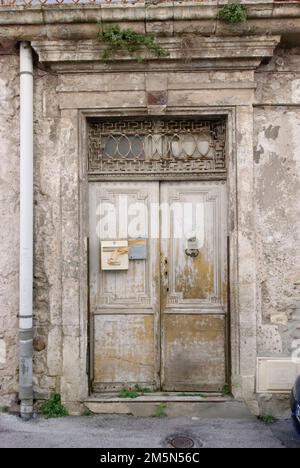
(192, 252)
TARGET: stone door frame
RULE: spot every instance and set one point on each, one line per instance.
(74, 208)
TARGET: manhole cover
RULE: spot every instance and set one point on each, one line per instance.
(182, 441)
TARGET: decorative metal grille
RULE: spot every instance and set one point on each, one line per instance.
(153, 147)
(29, 3)
(35, 3)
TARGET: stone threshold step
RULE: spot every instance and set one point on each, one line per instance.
(212, 407)
(160, 397)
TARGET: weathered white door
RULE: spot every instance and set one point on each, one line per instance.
(194, 286)
(124, 305)
(161, 323)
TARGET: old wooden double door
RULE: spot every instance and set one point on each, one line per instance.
(162, 322)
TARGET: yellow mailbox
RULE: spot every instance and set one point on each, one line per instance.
(114, 255)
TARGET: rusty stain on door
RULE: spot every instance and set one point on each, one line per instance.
(194, 352)
(195, 278)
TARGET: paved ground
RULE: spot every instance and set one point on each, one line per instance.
(126, 431)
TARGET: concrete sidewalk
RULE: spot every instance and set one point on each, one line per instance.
(127, 431)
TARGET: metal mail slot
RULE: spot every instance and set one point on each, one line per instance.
(138, 249)
(114, 255)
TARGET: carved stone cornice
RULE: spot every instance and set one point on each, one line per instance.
(198, 53)
(78, 22)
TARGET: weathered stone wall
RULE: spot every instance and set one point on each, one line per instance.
(58, 96)
(277, 197)
(47, 252)
(9, 231)
(60, 337)
(47, 233)
(132, 92)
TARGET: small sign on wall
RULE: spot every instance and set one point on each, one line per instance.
(114, 255)
(138, 249)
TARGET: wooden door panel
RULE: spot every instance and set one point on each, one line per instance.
(194, 352)
(166, 313)
(198, 283)
(194, 289)
(124, 304)
(125, 352)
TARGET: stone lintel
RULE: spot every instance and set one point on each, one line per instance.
(212, 52)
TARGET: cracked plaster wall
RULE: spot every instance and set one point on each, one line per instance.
(277, 213)
(47, 233)
(47, 228)
(277, 201)
(9, 230)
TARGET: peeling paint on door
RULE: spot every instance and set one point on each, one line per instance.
(194, 276)
(194, 293)
(162, 322)
(194, 352)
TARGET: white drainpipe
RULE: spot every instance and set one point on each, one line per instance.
(26, 230)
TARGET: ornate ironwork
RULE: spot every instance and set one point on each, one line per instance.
(150, 146)
(28, 3)
(42, 3)
(35, 3)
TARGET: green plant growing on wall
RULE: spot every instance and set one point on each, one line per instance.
(233, 13)
(133, 392)
(87, 412)
(128, 393)
(267, 419)
(160, 410)
(192, 394)
(53, 408)
(226, 390)
(129, 41)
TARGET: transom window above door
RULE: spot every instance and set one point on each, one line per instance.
(157, 147)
